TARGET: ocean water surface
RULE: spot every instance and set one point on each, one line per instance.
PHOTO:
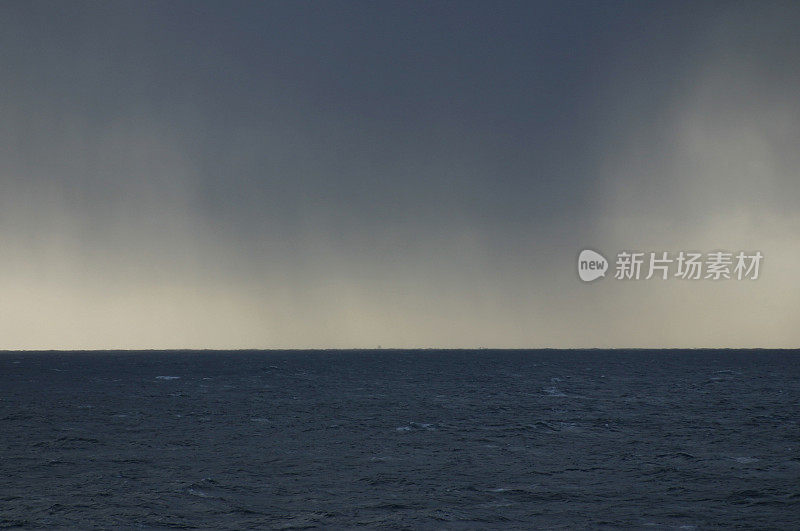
(402, 439)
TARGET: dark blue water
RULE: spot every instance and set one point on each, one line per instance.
(405, 439)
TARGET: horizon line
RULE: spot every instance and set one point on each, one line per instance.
(389, 349)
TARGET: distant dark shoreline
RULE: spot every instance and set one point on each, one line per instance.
(415, 349)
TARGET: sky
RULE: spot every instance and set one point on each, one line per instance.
(403, 174)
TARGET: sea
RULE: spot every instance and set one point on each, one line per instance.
(400, 439)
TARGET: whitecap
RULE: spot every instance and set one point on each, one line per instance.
(167, 377)
(745, 460)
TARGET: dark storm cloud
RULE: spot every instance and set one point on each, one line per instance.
(299, 112)
(330, 169)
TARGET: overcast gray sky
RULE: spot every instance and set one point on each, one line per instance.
(404, 174)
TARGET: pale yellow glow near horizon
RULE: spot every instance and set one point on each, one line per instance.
(533, 309)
